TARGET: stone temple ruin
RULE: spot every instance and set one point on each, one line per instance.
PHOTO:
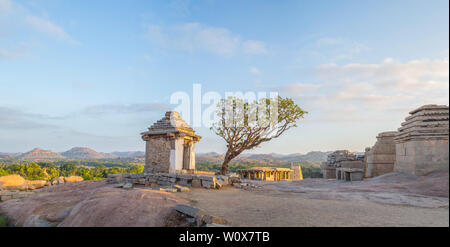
(272, 173)
(422, 141)
(343, 165)
(420, 146)
(380, 158)
(170, 160)
(170, 145)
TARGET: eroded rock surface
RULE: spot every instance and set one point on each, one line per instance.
(91, 203)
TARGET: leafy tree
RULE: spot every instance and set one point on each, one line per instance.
(136, 169)
(3, 172)
(245, 125)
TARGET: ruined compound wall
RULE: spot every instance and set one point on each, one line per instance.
(421, 157)
(158, 154)
(329, 172)
(422, 141)
(381, 157)
(352, 164)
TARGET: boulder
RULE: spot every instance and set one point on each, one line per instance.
(128, 186)
(114, 178)
(13, 182)
(36, 184)
(58, 180)
(72, 179)
(189, 210)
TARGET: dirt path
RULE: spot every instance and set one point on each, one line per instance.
(321, 203)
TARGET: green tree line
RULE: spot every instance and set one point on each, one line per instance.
(50, 170)
(307, 171)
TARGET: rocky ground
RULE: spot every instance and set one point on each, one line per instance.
(390, 200)
(92, 203)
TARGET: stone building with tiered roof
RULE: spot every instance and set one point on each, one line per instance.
(170, 146)
(422, 141)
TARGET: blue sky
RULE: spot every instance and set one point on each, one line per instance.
(97, 73)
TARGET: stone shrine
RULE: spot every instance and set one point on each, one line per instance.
(170, 146)
(422, 141)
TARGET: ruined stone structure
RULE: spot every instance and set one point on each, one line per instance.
(349, 174)
(422, 141)
(170, 146)
(380, 158)
(157, 180)
(341, 159)
(266, 173)
(296, 172)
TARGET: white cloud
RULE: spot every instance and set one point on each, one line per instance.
(12, 54)
(49, 28)
(254, 47)
(195, 37)
(374, 91)
(331, 50)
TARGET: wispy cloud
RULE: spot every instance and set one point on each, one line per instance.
(123, 109)
(254, 47)
(12, 53)
(195, 37)
(11, 118)
(364, 91)
(332, 50)
(48, 27)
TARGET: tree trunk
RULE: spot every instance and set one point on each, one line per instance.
(224, 169)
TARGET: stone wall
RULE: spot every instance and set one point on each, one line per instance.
(381, 157)
(158, 154)
(155, 180)
(422, 141)
(329, 172)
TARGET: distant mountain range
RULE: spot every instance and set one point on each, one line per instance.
(37, 154)
(312, 158)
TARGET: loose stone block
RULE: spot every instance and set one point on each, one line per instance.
(189, 210)
(196, 183)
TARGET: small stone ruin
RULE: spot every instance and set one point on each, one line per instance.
(343, 165)
(170, 145)
(422, 141)
(170, 160)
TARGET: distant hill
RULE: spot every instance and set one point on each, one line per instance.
(129, 154)
(312, 158)
(40, 154)
(84, 153)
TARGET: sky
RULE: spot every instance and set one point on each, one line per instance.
(98, 73)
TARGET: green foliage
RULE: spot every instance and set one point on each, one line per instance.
(50, 170)
(3, 221)
(244, 125)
